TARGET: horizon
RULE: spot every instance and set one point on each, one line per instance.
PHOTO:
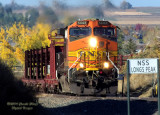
(134, 3)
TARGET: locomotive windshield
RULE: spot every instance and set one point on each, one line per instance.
(105, 32)
(78, 33)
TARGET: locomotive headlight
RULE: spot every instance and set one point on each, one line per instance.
(81, 65)
(106, 65)
(93, 42)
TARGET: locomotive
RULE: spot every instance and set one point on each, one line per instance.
(81, 59)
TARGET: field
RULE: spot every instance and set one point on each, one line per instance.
(133, 22)
(148, 16)
(142, 15)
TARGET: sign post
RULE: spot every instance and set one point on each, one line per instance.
(128, 87)
(142, 66)
(158, 87)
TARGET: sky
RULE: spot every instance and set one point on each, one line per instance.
(135, 3)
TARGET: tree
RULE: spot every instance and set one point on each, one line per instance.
(1, 14)
(69, 19)
(8, 10)
(120, 42)
(59, 5)
(108, 4)
(6, 50)
(1, 11)
(125, 5)
(48, 16)
(15, 40)
(27, 38)
(129, 47)
(31, 17)
(96, 12)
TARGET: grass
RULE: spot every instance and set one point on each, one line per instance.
(140, 84)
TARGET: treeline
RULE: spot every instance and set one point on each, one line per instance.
(123, 5)
(55, 14)
(28, 16)
(15, 40)
(7, 17)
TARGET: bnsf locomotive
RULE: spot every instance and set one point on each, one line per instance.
(81, 59)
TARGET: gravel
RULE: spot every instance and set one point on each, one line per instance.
(52, 104)
(53, 100)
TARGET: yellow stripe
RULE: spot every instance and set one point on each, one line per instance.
(72, 54)
(91, 69)
(113, 53)
(59, 45)
(76, 52)
(71, 62)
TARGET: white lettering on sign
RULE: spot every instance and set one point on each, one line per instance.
(142, 66)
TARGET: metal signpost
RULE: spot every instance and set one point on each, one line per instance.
(142, 66)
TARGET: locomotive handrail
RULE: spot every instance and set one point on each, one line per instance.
(113, 64)
(73, 65)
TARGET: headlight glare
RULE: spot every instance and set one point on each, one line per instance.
(106, 65)
(93, 42)
(81, 65)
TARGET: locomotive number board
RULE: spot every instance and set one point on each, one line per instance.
(82, 22)
(104, 23)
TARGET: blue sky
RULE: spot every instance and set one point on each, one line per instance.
(135, 3)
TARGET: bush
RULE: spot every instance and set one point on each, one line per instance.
(125, 5)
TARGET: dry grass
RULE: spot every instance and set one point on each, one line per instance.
(140, 83)
(147, 93)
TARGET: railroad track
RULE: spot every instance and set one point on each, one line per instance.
(96, 105)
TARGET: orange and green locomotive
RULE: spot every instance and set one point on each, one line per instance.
(81, 59)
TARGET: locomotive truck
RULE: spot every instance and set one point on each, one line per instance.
(81, 59)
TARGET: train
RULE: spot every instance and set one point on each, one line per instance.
(81, 59)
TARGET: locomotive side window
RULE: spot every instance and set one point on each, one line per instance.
(105, 32)
(78, 33)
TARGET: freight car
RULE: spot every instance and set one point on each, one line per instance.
(81, 59)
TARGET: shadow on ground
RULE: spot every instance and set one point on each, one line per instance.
(15, 98)
(104, 107)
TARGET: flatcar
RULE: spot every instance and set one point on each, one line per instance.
(81, 59)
